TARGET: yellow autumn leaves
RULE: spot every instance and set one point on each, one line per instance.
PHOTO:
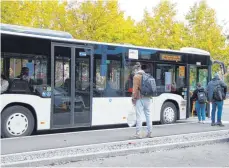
(102, 20)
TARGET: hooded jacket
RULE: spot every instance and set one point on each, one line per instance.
(198, 89)
(212, 84)
(137, 84)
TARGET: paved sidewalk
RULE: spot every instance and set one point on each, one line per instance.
(62, 140)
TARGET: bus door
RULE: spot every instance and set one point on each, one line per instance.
(71, 74)
(197, 74)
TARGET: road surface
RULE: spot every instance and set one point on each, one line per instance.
(215, 155)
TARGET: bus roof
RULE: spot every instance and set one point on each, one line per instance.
(66, 37)
(35, 31)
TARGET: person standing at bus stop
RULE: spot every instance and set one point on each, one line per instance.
(200, 96)
(141, 102)
(217, 90)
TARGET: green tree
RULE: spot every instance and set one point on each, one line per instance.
(40, 14)
(101, 21)
(205, 33)
(159, 28)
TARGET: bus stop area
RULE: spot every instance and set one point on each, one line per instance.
(56, 148)
(52, 141)
(27, 151)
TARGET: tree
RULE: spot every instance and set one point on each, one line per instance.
(160, 29)
(227, 79)
(101, 21)
(205, 33)
(39, 14)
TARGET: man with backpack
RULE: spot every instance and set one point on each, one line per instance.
(144, 87)
(200, 96)
(217, 90)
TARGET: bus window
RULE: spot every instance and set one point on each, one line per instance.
(203, 77)
(128, 75)
(108, 71)
(193, 78)
(61, 71)
(62, 85)
(109, 83)
(15, 66)
(170, 78)
(35, 66)
(164, 77)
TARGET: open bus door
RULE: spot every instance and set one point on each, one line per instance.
(203, 75)
(197, 73)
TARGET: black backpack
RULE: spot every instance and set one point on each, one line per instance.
(148, 85)
(218, 93)
(201, 96)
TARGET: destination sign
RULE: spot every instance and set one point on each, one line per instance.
(169, 57)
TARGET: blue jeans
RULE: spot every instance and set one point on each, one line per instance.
(200, 109)
(143, 105)
(219, 105)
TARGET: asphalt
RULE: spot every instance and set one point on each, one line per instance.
(214, 155)
(62, 140)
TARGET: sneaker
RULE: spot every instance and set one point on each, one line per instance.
(220, 124)
(203, 122)
(199, 122)
(213, 124)
(149, 135)
(137, 136)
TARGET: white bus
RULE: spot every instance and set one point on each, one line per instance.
(56, 81)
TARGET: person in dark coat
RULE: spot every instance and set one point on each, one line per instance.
(216, 103)
(200, 106)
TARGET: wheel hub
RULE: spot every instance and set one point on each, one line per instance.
(169, 114)
(17, 124)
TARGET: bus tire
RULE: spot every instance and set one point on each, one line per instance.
(17, 121)
(168, 113)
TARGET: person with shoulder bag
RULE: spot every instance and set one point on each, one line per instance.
(217, 90)
(144, 87)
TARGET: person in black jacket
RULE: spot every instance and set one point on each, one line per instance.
(200, 96)
(217, 102)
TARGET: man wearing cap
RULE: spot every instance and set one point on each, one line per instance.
(216, 103)
(141, 103)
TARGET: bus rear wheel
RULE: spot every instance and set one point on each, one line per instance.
(168, 113)
(17, 121)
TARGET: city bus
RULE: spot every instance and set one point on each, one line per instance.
(57, 82)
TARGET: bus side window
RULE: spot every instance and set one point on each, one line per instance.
(128, 76)
(108, 71)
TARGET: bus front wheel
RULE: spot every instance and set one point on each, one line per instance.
(168, 113)
(17, 121)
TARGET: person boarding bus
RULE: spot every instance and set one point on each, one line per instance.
(200, 96)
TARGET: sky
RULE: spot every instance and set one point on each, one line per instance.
(135, 9)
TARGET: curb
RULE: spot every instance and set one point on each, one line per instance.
(165, 147)
(87, 152)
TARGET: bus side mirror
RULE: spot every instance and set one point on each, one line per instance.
(222, 66)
